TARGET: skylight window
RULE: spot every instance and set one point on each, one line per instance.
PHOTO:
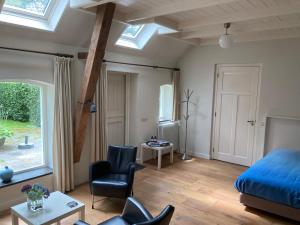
(136, 36)
(38, 7)
(38, 14)
(132, 31)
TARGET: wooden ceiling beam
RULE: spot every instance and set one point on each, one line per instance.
(172, 8)
(258, 36)
(104, 17)
(163, 21)
(239, 28)
(239, 16)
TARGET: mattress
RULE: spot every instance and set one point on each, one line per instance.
(276, 178)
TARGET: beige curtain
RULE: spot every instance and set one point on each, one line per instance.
(99, 129)
(63, 126)
(176, 95)
(1, 4)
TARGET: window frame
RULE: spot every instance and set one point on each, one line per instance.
(44, 123)
(141, 39)
(47, 22)
(160, 120)
(125, 36)
(29, 14)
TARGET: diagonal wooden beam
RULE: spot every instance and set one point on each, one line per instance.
(104, 17)
(1, 4)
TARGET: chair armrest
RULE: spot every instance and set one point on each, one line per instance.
(134, 212)
(131, 171)
(163, 218)
(98, 169)
(80, 222)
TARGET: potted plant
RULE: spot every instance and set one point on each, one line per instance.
(5, 133)
(35, 196)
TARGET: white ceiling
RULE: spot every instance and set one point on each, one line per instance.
(201, 21)
(75, 29)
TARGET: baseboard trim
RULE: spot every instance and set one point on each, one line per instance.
(199, 155)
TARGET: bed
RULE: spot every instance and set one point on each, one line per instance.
(272, 184)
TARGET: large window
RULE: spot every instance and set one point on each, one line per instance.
(21, 129)
(166, 102)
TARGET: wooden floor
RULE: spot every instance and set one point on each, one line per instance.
(201, 191)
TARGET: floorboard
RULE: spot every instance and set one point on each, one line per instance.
(201, 191)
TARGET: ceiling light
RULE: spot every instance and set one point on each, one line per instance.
(226, 40)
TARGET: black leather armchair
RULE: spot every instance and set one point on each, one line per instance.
(114, 177)
(134, 213)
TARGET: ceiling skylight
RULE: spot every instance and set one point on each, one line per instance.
(136, 36)
(37, 7)
(38, 14)
(132, 31)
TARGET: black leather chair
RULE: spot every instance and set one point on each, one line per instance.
(135, 213)
(114, 177)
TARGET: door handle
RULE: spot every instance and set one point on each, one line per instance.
(252, 122)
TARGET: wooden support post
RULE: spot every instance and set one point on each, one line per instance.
(92, 72)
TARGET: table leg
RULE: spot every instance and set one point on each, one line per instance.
(14, 219)
(142, 155)
(82, 214)
(159, 159)
(171, 155)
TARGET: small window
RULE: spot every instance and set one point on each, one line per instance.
(38, 7)
(21, 130)
(166, 103)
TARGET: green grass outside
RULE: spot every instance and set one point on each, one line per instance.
(13, 125)
(20, 129)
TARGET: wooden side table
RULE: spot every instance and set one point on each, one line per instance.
(144, 146)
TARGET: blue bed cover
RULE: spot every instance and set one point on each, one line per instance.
(276, 178)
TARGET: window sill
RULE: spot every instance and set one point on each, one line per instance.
(28, 175)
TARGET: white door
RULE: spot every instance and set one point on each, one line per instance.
(236, 95)
(116, 100)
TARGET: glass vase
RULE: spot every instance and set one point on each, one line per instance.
(36, 204)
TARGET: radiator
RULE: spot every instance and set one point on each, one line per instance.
(169, 131)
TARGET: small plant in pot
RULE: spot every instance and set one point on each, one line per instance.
(36, 194)
(5, 133)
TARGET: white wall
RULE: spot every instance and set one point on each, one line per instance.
(280, 90)
(145, 90)
(144, 105)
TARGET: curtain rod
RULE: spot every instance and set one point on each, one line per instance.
(38, 52)
(142, 65)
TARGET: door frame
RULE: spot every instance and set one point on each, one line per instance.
(127, 77)
(256, 126)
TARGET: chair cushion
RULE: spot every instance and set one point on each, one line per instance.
(110, 185)
(111, 180)
(117, 220)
